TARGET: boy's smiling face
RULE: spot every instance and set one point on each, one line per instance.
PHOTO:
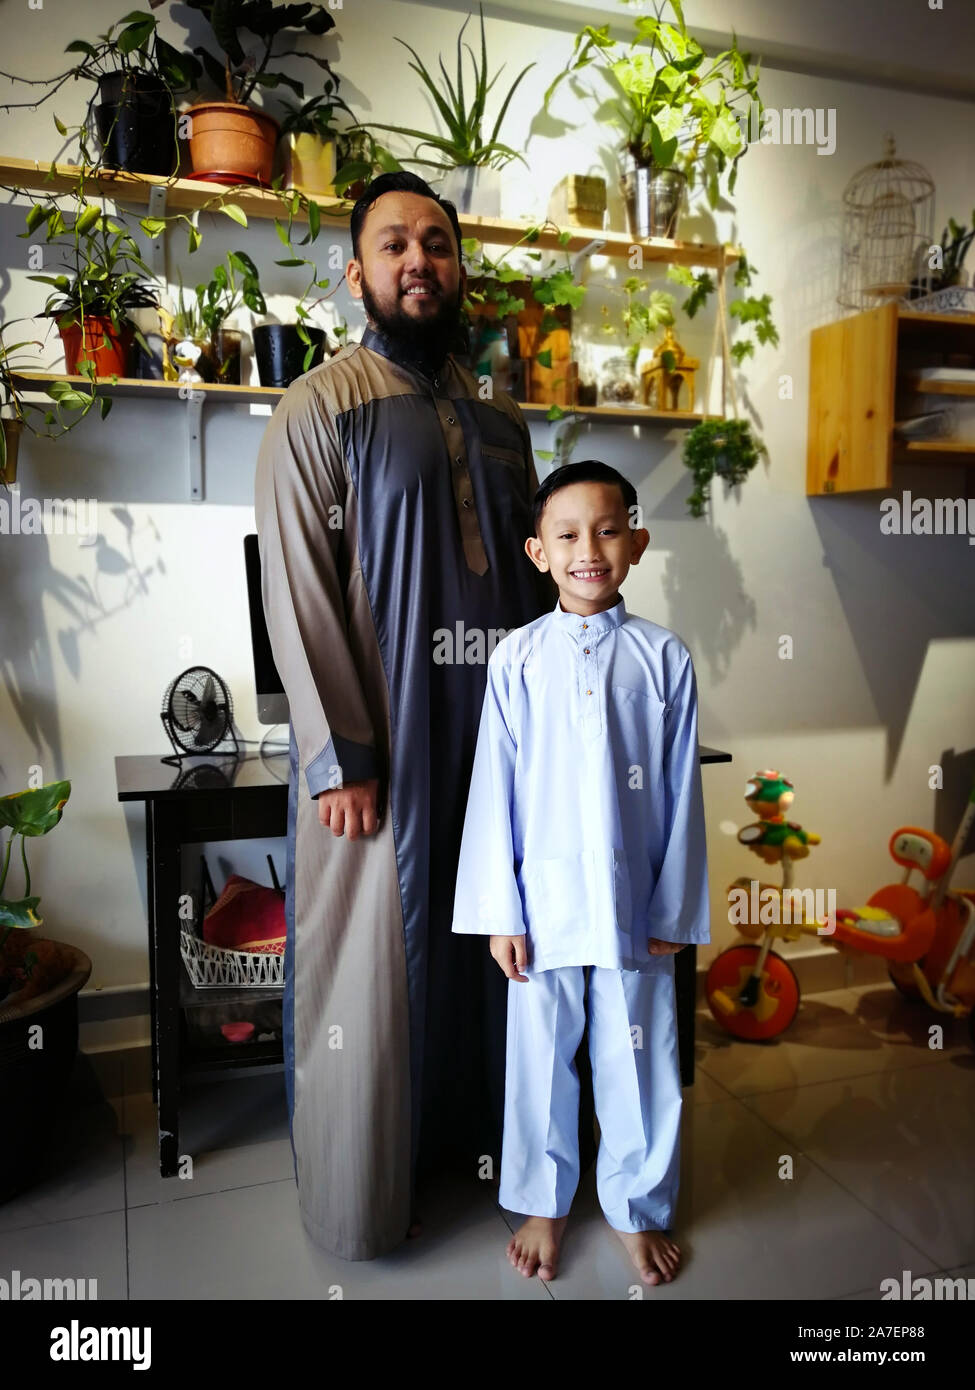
(587, 543)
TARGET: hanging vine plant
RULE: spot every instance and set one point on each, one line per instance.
(719, 449)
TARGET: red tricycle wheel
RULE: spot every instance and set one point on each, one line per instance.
(778, 994)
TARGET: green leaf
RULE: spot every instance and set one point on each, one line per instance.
(235, 213)
(153, 226)
(194, 238)
(61, 127)
(87, 220)
(104, 405)
(544, 359)
(291, 261)
(36, 214)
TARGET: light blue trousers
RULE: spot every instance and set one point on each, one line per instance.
(636, 1089)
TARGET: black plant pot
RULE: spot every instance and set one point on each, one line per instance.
(32, 1078)
(280, 352)
(136, 124)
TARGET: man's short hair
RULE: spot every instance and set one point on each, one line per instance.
(399, 181)
(587, 471)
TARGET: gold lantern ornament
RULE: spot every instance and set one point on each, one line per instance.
(888, 225)
(668, 372)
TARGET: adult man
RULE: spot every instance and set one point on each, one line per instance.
(392, 507)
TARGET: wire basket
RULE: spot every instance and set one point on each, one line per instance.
(214, 967)
(220, 967)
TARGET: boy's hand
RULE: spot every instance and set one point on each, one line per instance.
(511, 954)
(664, 948)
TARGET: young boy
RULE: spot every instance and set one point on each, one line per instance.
(584, 859)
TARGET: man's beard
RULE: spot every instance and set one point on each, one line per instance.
(425, 340)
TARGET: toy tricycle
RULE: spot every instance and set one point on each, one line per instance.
(927, 936)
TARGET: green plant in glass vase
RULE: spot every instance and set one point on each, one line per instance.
(233, 283)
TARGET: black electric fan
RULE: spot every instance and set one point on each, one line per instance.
(198, 714)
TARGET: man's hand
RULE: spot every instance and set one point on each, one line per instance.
(511, 954)
(350, 810)
(664, 948)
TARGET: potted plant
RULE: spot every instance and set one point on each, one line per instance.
(309, 136)
(471, 163)
(955, 241)
(679, 111)
(201, 319)
(718, 449)
(108, 278)
(359, 157)
(229, 139)
(534, 310)
(137, 76)
(39, 985)
(44, 419)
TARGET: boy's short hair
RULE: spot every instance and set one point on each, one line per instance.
(587, 471)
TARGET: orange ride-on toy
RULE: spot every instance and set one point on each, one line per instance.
(928, 936)
(751, 990)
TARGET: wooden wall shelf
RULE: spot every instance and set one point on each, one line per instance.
(860, 369)
(187, 195)
(246, 395)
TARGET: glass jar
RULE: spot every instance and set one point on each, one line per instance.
(619, 384)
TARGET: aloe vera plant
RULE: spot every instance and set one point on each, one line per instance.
(464, 143)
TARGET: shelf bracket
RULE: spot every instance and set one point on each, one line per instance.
(194, 441)
(593, 249)
(157, 246)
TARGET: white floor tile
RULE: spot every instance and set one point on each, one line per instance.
(901, 1142)
(90, 1247)
(250, 1244)
(235, 1131)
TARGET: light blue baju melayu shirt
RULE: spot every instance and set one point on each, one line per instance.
(585, 819)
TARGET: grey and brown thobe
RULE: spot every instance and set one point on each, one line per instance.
(392, 507)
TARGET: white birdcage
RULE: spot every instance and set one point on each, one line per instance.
(888, 226)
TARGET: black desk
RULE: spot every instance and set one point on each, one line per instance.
(228, 798)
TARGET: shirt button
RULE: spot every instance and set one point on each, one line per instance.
(450, 419)
(458, 459)
(586, 650)
(584, 626)
(588, 692)
(467, 501)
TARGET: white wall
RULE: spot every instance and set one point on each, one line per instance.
(881, 683)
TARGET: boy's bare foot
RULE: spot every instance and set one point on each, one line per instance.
(535, 1246)
(654, 1254)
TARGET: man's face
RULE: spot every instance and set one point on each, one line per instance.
(409, 277)
(586, 541)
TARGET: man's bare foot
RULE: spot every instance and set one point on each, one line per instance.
(535, 1246)
(654, 1254)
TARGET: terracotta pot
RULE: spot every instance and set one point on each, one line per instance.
(105, 345)
(12, 430)
(226, 138)
(311, 164)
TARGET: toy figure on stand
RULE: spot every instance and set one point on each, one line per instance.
(751, 990)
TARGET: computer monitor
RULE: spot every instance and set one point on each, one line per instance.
(272, 703)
